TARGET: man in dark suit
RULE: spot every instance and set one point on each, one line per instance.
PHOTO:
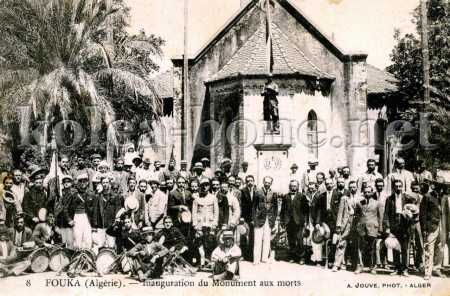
(247, 204)
(368, 223)
(394, 222)
(294, 214)
(264, 216)
(326, 211)
(19, 233)
(180, 200)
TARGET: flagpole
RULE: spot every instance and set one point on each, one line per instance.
(186, 99)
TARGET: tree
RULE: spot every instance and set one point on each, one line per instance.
(54, 57)
(407, 67)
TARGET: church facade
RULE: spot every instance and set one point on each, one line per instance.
(322, 96)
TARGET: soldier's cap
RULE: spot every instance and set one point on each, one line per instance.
(227, 234)
(66, 177)
(38, 173)
(204, 181)
(244, 163)
(218, 170)
(3, 230)
(226, 161)
(313, 161)
(136, 158)
(83, 176)
(96, 156)
(205, 159)
(294, 166)
(183, 162)
(147, 230)
(198, 166)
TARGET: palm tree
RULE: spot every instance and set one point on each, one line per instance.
(54, 58)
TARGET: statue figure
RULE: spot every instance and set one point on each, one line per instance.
(271, 104)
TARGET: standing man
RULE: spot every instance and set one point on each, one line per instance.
(247, 205)
(81, 205)
(294, 214)
(326, 211)
(294, 174)
(234, 189)
(105, 206)
(19, 185)
(229, 209)
(381, 196)
(399, 173)
(197, 171)
(264, 215)
(65, 211)
(347, 176)
(244, 170)
(367, 215)
(422, 175)
(395, 223)
(208, 172)
(155, 208)
(310, 175)
(34, 200)
(120, 175)
(430, 223)
(171, 172)
(180, 200)
(226, 169)
(145, 173)
(183, 170)
(370, 176)
(11, 207)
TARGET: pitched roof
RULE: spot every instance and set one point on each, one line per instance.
(163, 84)
(379, 81)
(251, 58)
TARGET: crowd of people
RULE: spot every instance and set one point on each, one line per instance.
(214, 219)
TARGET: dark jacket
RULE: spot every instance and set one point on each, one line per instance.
(393, 221)
(224, 208)
(247, 204)
(104, 209)
(265, 206)
(65, 211)
(176, 199)
(172, 238)
(296, 210)
(33, 200)
(430, 212)
(322, 215)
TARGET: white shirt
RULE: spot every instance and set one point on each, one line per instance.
(329, 199)
(398, 203)
(18, 240)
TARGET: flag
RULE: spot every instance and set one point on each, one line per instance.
(54, 172)
(269, 47)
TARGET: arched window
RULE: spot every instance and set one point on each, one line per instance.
(312, 135)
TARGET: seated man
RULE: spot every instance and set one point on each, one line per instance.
(10, 263)
(148, 256)
(19, 233)
(171, 237)
(46, 233)
(226, 258)
(122, 230)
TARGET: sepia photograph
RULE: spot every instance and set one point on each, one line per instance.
(224, 147)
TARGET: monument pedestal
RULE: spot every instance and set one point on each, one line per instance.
(273, 161)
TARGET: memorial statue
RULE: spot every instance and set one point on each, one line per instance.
(271, 113)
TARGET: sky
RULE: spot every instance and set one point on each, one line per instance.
(356, 25)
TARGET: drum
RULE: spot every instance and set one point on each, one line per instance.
(39, 260)
(126, 263)
(59, 259)
(105, 258)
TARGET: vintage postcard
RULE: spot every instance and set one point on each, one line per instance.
(224, 147)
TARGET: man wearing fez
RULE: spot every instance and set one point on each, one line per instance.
(34, 199)
(294, 214)
(270, 103)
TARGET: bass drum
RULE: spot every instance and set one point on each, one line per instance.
(59, 259)
(105, 258)
(39, 260)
